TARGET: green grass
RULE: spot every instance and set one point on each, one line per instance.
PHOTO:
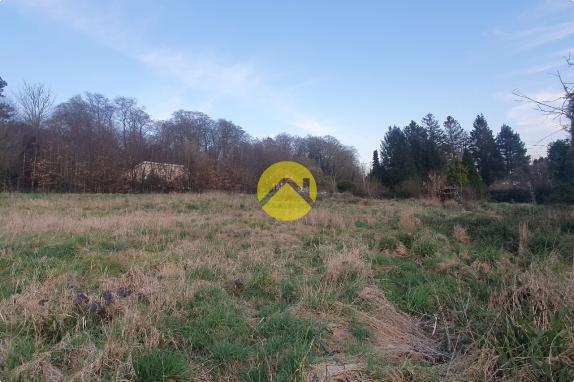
(161, 365)
(217, 290)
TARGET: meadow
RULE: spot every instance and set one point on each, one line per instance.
(206, 287)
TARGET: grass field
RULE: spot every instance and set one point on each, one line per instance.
(207, 287)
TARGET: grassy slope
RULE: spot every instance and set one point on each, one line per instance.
(207, 287)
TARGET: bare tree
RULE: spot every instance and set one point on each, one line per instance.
(35, 102)
(561, 107)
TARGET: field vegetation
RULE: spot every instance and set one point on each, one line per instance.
(206, 287)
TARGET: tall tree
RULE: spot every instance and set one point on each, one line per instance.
(376, 166)
(512, 150)
(396, 159)
(485, 151)
(418, 145)
(436, 143)
(456, 138)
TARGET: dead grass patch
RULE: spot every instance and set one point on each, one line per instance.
(459, 233)
(336, 372)
(346, 265)
(407, 221)
(396, 333)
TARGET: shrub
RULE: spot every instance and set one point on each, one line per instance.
(512, 195)
(345, 186)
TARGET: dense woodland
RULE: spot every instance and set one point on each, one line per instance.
(90, 143)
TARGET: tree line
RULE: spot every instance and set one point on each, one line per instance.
(426, 157)
(89, 143)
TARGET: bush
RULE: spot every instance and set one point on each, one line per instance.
(345, 186)
(511, 195)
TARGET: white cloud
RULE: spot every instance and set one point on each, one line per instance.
(106, 23)
(538, 36)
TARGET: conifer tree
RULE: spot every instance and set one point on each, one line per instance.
(485, 151)
(456, 137)
(512, 150)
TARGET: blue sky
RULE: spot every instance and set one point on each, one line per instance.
(348, 69)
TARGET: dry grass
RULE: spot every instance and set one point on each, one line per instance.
(407, 222)
(460, 234)
(346, 265)
(523, 239)
(89, 283)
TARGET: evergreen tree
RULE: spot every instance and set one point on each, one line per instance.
(436, 155)
(512, 150)
(396, 160)
(456, 137)
(472, 174)
(376, 166)
(485, 151)
(457, 173)
(418, 142)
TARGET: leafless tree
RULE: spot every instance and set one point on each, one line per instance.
(561, 107)
(35, 102)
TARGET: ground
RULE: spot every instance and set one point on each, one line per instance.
(207, 287)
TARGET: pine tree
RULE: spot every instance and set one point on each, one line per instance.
(418, 142)
(485, 151)
(456, 137)
(436, 143)
(396, 160)
(512, 150)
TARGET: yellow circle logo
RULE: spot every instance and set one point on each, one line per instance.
(287, 190)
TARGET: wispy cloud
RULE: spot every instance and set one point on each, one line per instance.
(201, 73)
(110, 25)
(536, 128)
(538, 36)
(313, 126)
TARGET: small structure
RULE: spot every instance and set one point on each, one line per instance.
(450, 193)
(171, 176)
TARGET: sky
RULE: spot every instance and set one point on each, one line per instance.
(348, 69)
